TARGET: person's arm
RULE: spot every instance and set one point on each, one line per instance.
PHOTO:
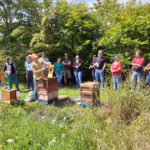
(25, 65)
(47, 64)
(138, 65)
(69, 63)
(111, 68)
(64, 63)
(116, 70)
(5, 68)
(48, 60)
(104, 66)
(120, 66)
(147, 67)
(80, 64)
(55, 68)
(38, 71)
(92, 66)
(62, 67)
(134, 64)
(74, 65)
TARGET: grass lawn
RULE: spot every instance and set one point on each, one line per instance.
(122, 123)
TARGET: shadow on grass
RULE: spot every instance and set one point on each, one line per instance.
(64, 103)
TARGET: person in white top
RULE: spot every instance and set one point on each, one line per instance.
(45, 59)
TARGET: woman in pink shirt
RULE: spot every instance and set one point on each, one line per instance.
(116, 72)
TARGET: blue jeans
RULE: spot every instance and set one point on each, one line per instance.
(136, 76)
(59, 75)
(29, 78)
(12, 77)
(78, 76)
(99, 76)
(35, 89)
(116, 80)
(148, 79)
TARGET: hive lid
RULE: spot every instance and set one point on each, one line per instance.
(90, 84)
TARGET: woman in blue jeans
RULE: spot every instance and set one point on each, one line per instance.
(116, 72)
(59, 69)
(10, 70)
(148, 77)
(78, 71)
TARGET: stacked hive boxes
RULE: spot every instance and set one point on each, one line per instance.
(90, 92)
(47, 90)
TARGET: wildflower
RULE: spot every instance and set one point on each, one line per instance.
(63, 135)
(53, 121)
(10, 140)
(52, 141)
(43, 117)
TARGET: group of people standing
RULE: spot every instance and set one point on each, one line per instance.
(38, 67)
(98, 66)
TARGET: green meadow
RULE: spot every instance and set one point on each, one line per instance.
(121, 123)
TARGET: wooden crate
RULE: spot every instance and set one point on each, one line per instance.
(47, 84)
(90, 92)
(9, 96)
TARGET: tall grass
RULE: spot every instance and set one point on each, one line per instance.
(122, 123)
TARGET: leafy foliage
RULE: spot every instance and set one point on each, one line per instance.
(58, 27)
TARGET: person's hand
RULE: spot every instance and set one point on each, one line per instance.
(48, 64)
(7, 72)
(45, 68)
(76, 67)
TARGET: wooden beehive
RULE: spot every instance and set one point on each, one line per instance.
(9, 96)
(47, 84)
(47, 95)
(90, 92)
(47, 89)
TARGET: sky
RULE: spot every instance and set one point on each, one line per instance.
(90, 2)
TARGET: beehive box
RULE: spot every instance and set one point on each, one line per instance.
(47, 84)
(9, 96)
(90, 92)
(47, 95)
(47, 89)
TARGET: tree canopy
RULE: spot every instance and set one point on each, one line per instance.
(28, 26)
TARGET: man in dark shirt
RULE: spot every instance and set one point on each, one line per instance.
(10, 70)
(92, 67)
(100, 67)
(67, 73)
